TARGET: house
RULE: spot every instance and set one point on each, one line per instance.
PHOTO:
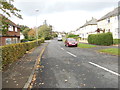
(22, 36)
(109, 23)
(89, 27)
(10, 32)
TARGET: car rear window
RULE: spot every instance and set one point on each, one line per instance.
(71, 39)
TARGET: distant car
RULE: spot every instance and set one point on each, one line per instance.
(59, 37)
(71, 42)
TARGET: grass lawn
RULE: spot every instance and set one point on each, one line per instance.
(113, 51)
(81, 45)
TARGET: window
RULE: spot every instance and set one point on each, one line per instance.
(10, 28)
(108, 20)
(15, 40)
(8, 41)
(15, 29)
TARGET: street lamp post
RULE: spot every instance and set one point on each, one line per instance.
(36, 26)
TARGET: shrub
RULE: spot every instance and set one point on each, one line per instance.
(12, 52)
(101, 39)
(116, 41)
(24, 40)
(72, 36)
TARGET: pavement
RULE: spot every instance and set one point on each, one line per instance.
(20, 73)
(73, 67)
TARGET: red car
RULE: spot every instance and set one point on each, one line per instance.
(71, 42)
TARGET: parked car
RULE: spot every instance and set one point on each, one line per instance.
(59, 37)
(71, 42)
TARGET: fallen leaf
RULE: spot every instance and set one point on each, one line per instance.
(66, 80)
(56, 65)
(42, 83)
(63, 70)
(16, 84)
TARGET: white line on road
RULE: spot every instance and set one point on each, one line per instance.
(104, 68)
(72, 54)
(62, 48)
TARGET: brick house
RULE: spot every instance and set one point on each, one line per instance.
(10, 34)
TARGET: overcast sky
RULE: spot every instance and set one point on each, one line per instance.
(64, 15)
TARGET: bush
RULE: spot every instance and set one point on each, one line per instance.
(72, 36)
(24, 40)
(116, 41)
(12, 52)
(101, 39)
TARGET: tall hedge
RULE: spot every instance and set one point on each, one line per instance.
(13, 52)
(101, 39)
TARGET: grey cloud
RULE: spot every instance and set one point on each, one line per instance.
(28, 8)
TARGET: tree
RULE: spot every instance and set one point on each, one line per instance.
(8, 8)
(31, 34)
(25, 32)
(22, 27)
(45, 31)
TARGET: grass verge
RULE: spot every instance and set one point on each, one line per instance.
(81, 45)
(113, 51)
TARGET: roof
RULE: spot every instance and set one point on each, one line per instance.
(115, 12)
(3, 18)
(93, 21)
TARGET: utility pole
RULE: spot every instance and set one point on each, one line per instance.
(36, 26)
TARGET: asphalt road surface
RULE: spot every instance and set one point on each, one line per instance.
(73, 67)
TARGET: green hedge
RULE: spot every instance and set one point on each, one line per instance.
(116, 41)
(72, 36)
(13, 52)
(101, 39)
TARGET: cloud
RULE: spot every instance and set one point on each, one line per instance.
(64, 15)
(53, 6)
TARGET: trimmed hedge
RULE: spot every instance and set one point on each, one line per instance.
(116, 41)
(12, 52)
(72, 36)
(101, 39)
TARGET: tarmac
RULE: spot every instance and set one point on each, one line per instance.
(20, 73)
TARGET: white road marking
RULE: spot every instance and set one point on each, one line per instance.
(72, 54)
(104, 68)
(62, 48)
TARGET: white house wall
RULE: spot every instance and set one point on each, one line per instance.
(113, 26)
(85, 31)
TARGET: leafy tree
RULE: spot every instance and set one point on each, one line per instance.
(45, 31)
(25, 32)
(31, 34)
(22, 27)
(8, 8)
(3, 25)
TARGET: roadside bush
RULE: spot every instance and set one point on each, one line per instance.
(101, 39)
(116, 41)
(24, 40)
(12, 52)
(72, 36)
